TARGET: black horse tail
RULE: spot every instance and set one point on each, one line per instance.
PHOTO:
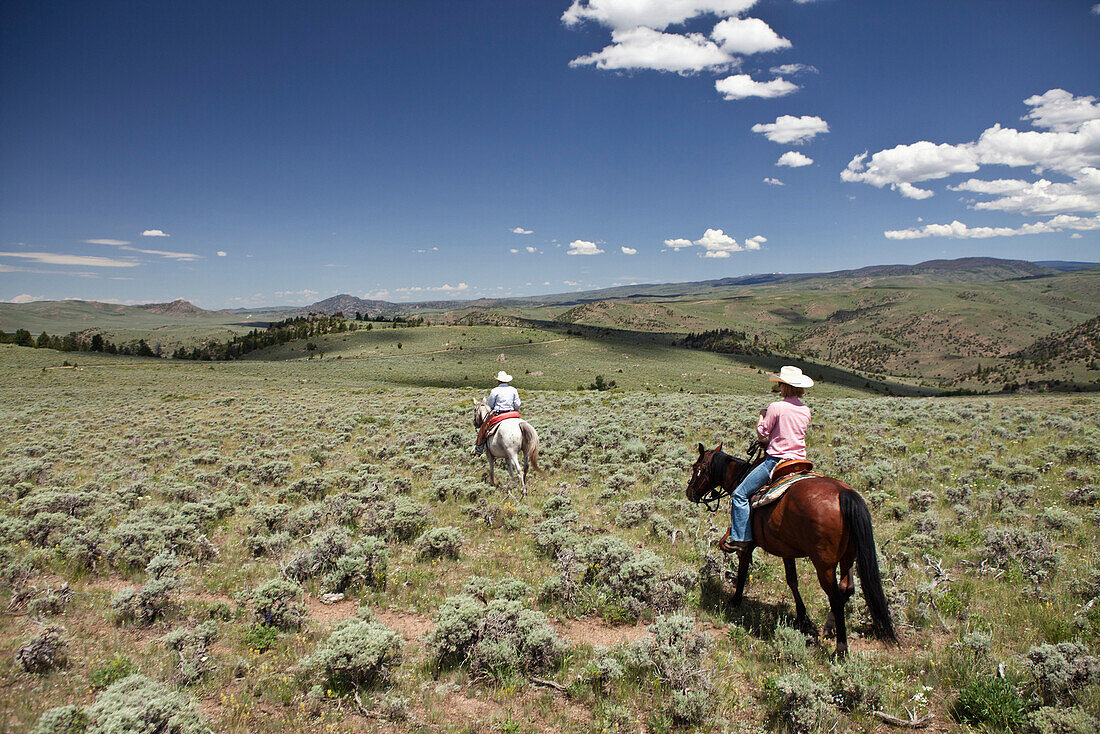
(858, 519)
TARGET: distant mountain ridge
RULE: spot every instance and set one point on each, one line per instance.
(178, 307)
(958, 270)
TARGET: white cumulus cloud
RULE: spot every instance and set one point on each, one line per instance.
(1068, 144)
(958, 230)
(788, 129)
(792, 69)
(747, 36)
(521, 230)
(773, 181)
(658, 14)
(583, 247)
(24, 298)
(716, 243)
(794, 159)
(740, 86)
(645, 48)
(155, 233)
(529, 248)
(1060, 111)
(222, 253)
(629, 250)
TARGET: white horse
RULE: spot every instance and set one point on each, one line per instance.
(513, 437)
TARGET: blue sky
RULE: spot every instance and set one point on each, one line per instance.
(291, 151)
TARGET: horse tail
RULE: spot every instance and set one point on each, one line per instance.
(530, 444)
(858, 519)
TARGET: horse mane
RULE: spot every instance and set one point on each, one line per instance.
(719, 465)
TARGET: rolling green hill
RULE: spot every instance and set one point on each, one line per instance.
(971, 323)
(936, 331)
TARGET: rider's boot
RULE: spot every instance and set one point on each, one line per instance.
(478, 450)
(728, 545)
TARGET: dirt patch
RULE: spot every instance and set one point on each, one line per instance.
(595, 632)
(331, 614)
(410, 625)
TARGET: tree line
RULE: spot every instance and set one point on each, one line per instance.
(728, 341)
(280, 332)
(76, 342)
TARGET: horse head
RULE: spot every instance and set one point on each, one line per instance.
(481, 412)
(702, 479)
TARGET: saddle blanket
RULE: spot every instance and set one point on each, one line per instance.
(491, 428)
(773, 492)
(502, 417)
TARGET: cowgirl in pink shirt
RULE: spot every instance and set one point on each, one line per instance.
(782, 429)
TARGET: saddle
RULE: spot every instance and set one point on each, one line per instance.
(785, 474)
(491, 423)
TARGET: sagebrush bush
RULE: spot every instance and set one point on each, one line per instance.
(601, 671)
(275, 603)
(635, 579)
(442, 542)
(357, 654)
(1061, 670)
(498, 639)
(675, 656)
(1034, 552)
(634, 513)
(1056, 720)
(137, 705)
(341, 563)
(857, 684)
(45, 652)
(457, 627)
(798, 702)
(191, 658)
(487, 589)
(789, 646)
(62, 720)
(157, 599)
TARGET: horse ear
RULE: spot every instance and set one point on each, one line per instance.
(701, 450)
(719, 448)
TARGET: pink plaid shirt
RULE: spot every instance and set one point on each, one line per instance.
(785, 423)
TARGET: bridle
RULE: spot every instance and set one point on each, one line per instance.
(479, 417)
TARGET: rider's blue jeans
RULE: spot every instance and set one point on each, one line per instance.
(739, 513)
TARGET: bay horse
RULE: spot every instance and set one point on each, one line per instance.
(818, 517)
(514, 437)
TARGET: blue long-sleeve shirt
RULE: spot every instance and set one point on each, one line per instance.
(503, 398)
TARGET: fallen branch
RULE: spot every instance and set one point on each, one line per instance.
(363, 709)
(903, 723)
(549, 684)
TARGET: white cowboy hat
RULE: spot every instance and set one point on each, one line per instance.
(503, 376)
(792, 376)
